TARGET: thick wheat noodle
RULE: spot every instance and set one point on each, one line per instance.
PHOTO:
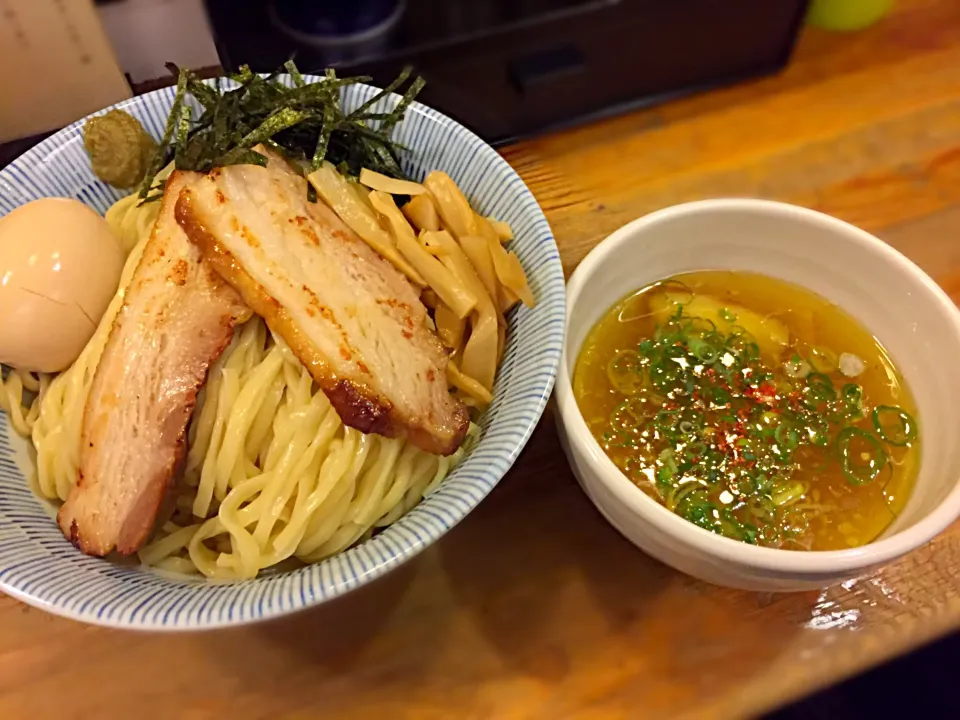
(20, 395)
(271, 472)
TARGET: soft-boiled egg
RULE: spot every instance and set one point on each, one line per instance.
(59, 268)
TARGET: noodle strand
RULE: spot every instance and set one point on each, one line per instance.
(271, 471)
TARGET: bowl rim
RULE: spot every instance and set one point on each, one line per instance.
(537, 372)
(668, 523)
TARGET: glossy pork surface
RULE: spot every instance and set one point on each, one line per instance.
(177, 317)
(353, 320)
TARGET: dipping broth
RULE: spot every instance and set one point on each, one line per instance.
(753, 408)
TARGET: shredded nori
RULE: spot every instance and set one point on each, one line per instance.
(305, 123)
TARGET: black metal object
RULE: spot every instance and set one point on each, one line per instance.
(508, 68)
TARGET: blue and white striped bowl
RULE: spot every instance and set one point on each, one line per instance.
(41, 568)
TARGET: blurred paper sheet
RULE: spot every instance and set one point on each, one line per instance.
(57, 65)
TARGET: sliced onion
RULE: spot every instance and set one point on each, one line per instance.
(851, 365)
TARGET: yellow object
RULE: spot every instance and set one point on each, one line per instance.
(847, 14)
(479, 357)
(337, 193)
(59, 268)
(383, 183)
(422, 213)
(502, 229)
(443, 282)
(455, 211)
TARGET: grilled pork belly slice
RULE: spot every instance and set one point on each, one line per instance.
(352, 319)
(177, 317)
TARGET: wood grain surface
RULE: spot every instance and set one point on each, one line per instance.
(534, 607)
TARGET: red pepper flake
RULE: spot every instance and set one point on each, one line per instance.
(767, 392)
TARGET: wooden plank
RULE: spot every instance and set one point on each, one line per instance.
(534, 607)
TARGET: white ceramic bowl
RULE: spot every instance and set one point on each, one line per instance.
(892, 297)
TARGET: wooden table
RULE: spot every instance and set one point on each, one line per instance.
(534, 607)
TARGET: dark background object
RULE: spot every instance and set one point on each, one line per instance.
(922, 684)
(510, 68)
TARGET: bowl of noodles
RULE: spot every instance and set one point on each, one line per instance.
(213, 462)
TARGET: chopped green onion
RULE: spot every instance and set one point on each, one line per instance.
(665, 420)
(821, 386)
(894, 425)
(614, 439)
(786, 436)
(720, 432)
(861, 455)
(666, 375)
(819, 392)
(789, 494)
(852, 394)
(703, 350)
(678, 493)
(668, 460)
(818, 430)
(631, 413)
(797, 368)
(625, 372)
(743, 346)
(700, 511)
(664, 475)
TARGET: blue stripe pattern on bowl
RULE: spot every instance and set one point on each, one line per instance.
(41, 568)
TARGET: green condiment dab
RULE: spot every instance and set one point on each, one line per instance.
(120, 149)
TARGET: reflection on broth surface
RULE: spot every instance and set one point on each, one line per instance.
(753, 408)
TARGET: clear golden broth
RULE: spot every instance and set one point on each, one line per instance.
(817, 506)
